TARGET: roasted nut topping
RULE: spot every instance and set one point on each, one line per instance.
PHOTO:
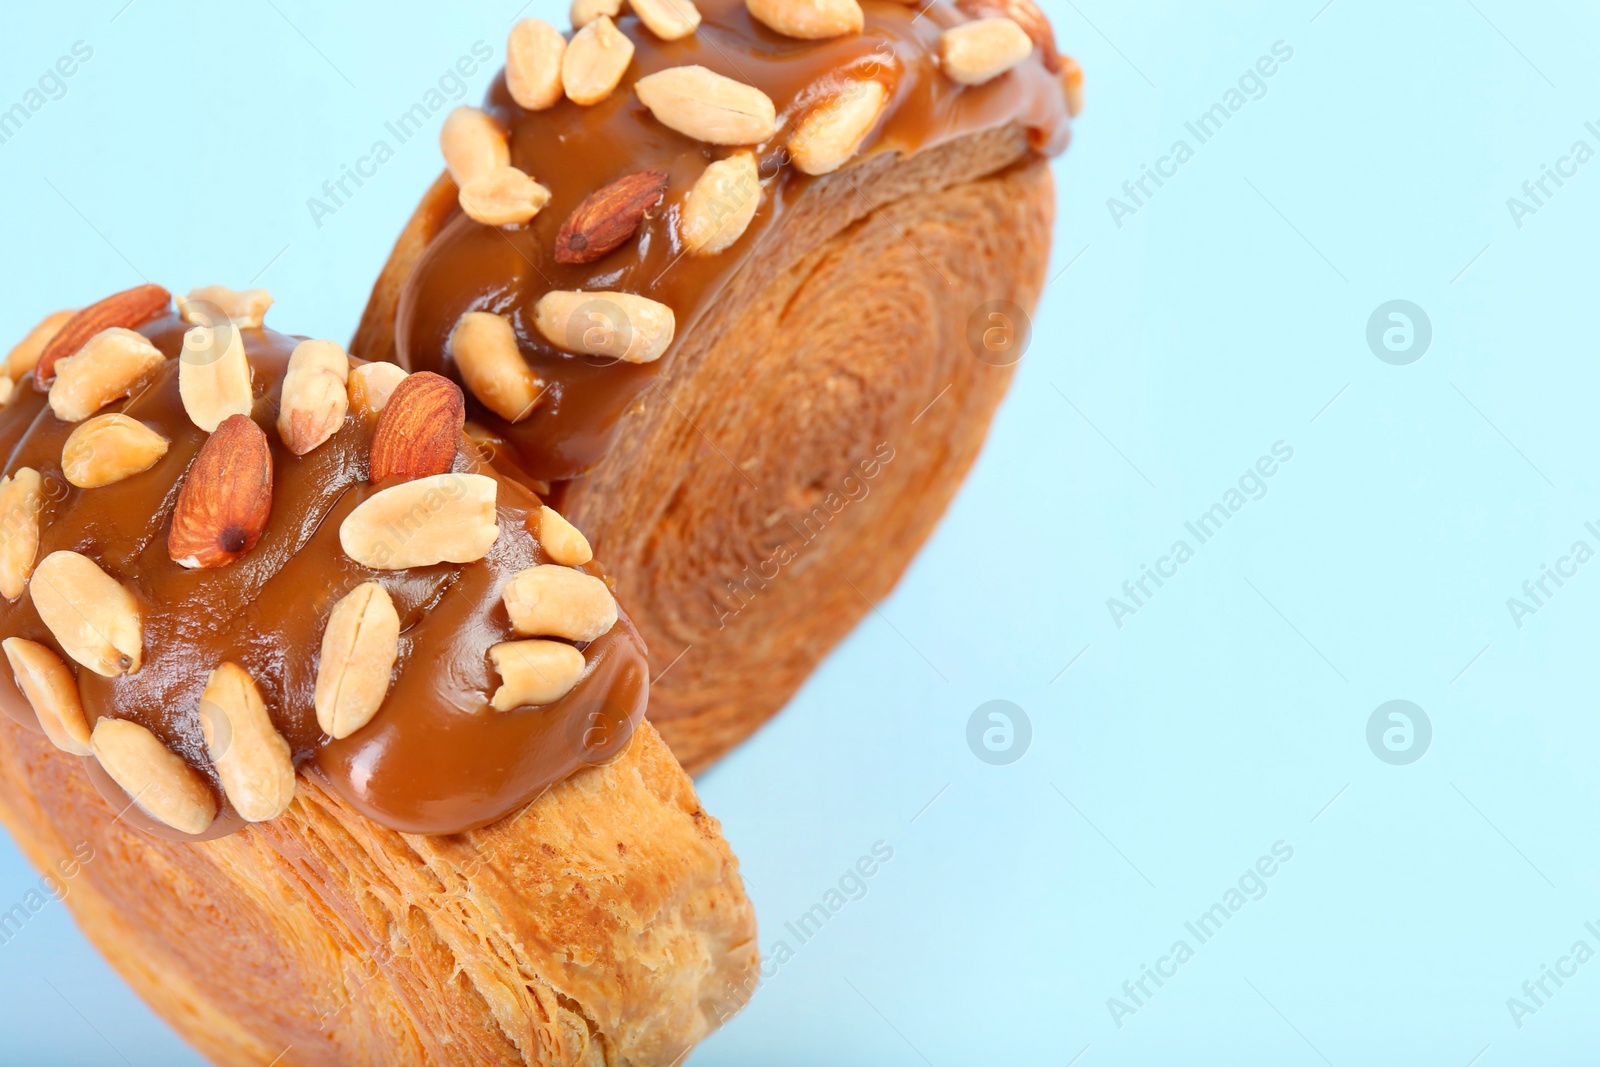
(155, 778)
(94, 620)
(418, 430)
(609, 216)
(214, 376)
(533, 64)
(252, 759)
(503, 197)
(809, 20)
(109, 448)
(669, 20)
(314, 400)
(584, 12)
(594, 62)
(226, 497)
(552, 601)
(976, 52)
(1024, 13)
(126, 310)
(830, 135)
(1072, 83)
(359, 648)
(447, 518)
(21, 499)
(212, 305)
(707, 106)
(721, 204)
(107, 368)
(473, 144)
(534, 672)
(370, 386)
(561, 540)
(25, 356)
(620, 325)
(484, 348)
(51, 689)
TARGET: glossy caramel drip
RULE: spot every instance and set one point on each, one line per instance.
(436, 758)
(575, 150)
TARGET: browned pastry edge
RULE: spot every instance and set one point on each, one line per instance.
(815, 357)
(605, 924)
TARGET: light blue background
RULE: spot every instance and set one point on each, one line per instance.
(1230, 712)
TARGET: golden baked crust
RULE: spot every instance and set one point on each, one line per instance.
(813, 358)
(820, 414)
(604, 924)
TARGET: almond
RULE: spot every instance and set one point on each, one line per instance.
(720, 205)
(51, 689)
(21, 500)
(214, 375)
(670, 20)
(473, 144)
(552, 601)
(107, 368)
(94, 619)
(707, 106)
(609, 216)
(584, 12)
(808, 20)
(109, 448)
(154, 777)
(534, 672)
(980, 51)
(533, 64)
(128, 310)
(595, 60)
(359, 648)
(419, 429)
(371, 385)
(225, 499)
(831, 134)
(25, 356)
(252, 759)
(213, 305)
(623, 326)
(561, 540)
(445, 518)
(314, 400)
(484, 347)
(503, 197)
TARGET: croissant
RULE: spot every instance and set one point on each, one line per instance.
(843, 336)
(320, 696)
(315, 794)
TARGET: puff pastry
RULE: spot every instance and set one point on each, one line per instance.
(318, 684)
(768, 480)
(560, 899)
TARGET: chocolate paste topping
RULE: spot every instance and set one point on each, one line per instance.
(575, 150)
(436, 758)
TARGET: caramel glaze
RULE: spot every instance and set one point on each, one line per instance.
(436, 758)
(575, 150)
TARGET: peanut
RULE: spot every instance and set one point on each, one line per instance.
(51, 689)
(484, 348)
(552, 601)
(155, 778)
(359, 648)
